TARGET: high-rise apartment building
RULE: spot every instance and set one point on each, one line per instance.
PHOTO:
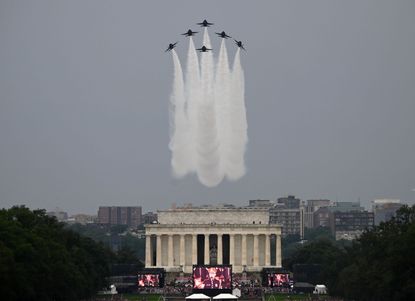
(289, 219)
(310, 207)
(118, 215)
(289, 202)
(289, 215)
(349, 225)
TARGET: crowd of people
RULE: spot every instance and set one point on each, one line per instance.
(249, 287)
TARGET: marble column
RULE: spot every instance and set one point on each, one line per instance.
(170, 250)
(267, 250)
(256, 250)
(182, 251)
(158, 254)
(232, 249)
(194, 249)
(219, 250)
(148, 251)
(207, 259)
(278, 251)
(243, 250)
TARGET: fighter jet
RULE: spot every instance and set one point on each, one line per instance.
(239, 44)
(171, 46)
(205, 23)
(204, 49)
(223, 35)
(189, 33)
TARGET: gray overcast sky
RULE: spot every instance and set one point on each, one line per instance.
(84, 88)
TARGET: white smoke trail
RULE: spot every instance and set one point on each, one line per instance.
(207, 144)
(238, 137)
(193, 94)
(178, 123)
(222, 95)
(208, 126)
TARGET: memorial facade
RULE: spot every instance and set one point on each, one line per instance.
(212, 236)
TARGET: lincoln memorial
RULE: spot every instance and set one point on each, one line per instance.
(241, 237)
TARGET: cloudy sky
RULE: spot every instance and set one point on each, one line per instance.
(84, 90)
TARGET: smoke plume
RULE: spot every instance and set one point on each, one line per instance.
(208, 125)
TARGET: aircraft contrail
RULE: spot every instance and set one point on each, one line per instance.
(208, 169)
(209, 126)
(192, 94)
(179, 124)
(222, 97)
(237, 121)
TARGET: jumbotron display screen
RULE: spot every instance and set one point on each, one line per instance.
(278, 280)
(148, 280)
(212, 277)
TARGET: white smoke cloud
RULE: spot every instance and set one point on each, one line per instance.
(179, 124)
(208, 116)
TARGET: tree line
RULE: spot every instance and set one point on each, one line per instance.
(40, 259)
(113, 236)
(380, 265)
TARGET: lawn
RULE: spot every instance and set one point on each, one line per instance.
(284, 297)
(268, 297)
(135, 297)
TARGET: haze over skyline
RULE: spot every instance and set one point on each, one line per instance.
(85, 85)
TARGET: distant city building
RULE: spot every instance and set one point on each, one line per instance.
(346, 207)
(260, 203)
(150, 217)
(349, 225)
(291, 220)
(82, 219)
(104, 215)
(310, 207)
(118, 215)
(289, 202)
(222, 205)
(385, 209)
(289, 215)
(61, 216)
(321, 217)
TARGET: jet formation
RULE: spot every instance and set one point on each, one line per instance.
(204, 49)
(205, 23)
(223, 35)
(239, 44)
(171, 46)
(189, 33)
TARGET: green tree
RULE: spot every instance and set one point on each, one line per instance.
(318, 233)
(108, 234)
(323, 252)
(41, 260)
(381, 261)
(128, 255)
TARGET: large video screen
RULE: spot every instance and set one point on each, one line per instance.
(212, 277)
(278, 280)
(148, 280)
